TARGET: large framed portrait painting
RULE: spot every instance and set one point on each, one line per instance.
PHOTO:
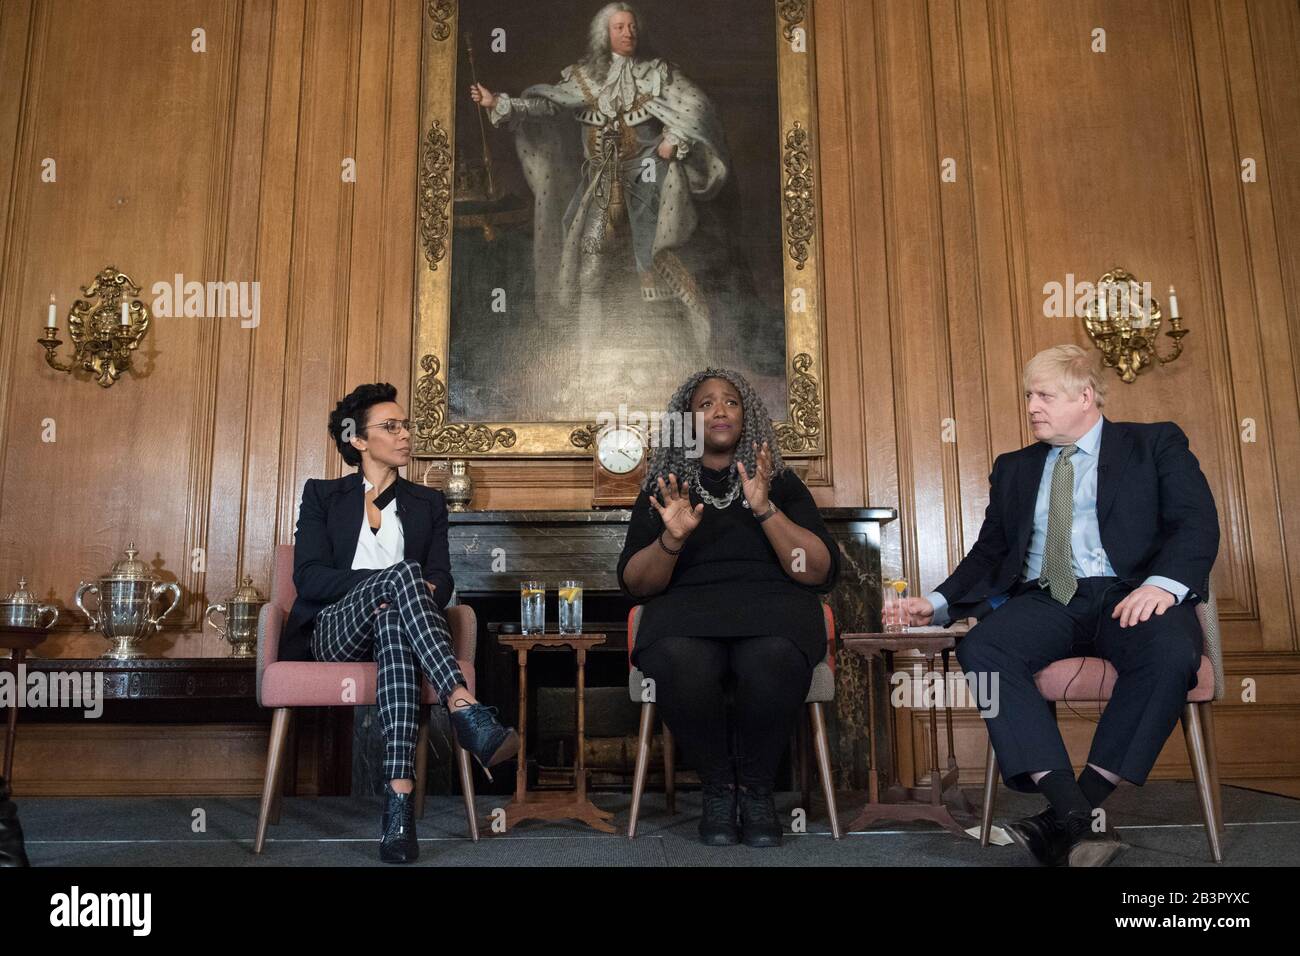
(611, 197)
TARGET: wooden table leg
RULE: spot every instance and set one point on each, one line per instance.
(873, 776)
(947, 715)
(936, 778)
(11, 731)
(570, 805)
(580, 762)
(904, 804)
(521, 768)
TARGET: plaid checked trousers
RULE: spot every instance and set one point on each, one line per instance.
(405, 639)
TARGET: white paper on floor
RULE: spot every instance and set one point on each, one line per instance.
(997, 835)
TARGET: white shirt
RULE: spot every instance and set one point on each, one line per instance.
(382, 550)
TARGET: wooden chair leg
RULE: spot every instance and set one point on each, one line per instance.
(421, 761)
(824, 766)
(1212, 758)
(670, 771)
(1201, 774)
(990, 792)
(467, 787)
(285, 771)
(270, 784)
(642, 762)
(805, 790)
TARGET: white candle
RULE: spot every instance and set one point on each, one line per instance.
(51, 320)
(1101, 303)
(126, 318)
(1173, 304)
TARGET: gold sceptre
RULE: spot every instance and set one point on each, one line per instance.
(482, 128)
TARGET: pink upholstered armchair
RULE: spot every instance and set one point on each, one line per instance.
(284, 685)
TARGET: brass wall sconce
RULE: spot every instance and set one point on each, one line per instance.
(105, 328)
(1123, 320)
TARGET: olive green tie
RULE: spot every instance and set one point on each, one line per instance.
(1058, 561)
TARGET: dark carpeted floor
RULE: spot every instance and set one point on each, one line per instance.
(1160, 822)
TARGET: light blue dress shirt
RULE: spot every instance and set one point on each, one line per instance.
(1090, 559)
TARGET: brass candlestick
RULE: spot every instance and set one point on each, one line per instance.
(102, 344)
(1123, 325)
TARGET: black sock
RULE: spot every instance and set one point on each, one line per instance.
(1063, 793)
(1095, 787)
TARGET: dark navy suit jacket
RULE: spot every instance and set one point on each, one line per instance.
(329, 522)
(1154, 510)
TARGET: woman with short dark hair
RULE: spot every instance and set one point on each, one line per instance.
(373, 573)
(727, 551)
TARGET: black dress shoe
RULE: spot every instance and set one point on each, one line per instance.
(718, 824)
(479, 732)
(398, 843)
(1094, 849)
(759, 824)
(1043, 837)
(11, 833)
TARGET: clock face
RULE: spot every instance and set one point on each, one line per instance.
(619, 450)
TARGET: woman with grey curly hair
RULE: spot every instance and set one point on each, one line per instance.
(727, 552)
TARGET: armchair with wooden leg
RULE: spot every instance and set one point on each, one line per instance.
(286, 685)
(820, 691)
(1091, 679)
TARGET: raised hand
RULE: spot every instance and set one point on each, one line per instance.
(679, 518)
(756, 486)
(481, 95)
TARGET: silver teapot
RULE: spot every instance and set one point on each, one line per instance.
(22, 608)
(238, 618)
(126, 595)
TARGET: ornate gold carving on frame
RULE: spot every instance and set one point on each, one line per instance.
(801, 435)
(584, 437)
(433, 434)
(804, 429)
(440, 13)
(435, 194)
(792, 12)
(800, 205)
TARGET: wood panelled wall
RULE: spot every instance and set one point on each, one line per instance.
(225, 165)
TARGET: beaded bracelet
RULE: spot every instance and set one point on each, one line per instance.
(660, 539)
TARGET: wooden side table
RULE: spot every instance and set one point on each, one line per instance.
(911, 803)
(19, 640)
(554, 806)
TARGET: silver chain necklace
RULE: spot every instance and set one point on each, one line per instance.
(720, 502)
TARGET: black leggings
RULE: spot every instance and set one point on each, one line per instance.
(769, 679)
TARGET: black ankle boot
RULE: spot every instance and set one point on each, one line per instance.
(477, 730)
(398, 843)
(11, 833)
(718, 824)
(759, 824)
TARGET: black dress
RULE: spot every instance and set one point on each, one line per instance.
(727, 581)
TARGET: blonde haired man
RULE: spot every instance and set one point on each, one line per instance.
(1098, 540)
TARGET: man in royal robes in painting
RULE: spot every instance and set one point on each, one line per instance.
(623, 157)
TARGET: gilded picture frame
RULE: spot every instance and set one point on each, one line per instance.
(437, 431)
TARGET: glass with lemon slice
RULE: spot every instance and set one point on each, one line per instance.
(532, 607)
(892, 613)
(570, 607)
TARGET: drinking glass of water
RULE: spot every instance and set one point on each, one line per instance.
(532, 607)
(892, 614)
(570, 607)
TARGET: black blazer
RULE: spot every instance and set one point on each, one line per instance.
(329, 521)
(1154, 510)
